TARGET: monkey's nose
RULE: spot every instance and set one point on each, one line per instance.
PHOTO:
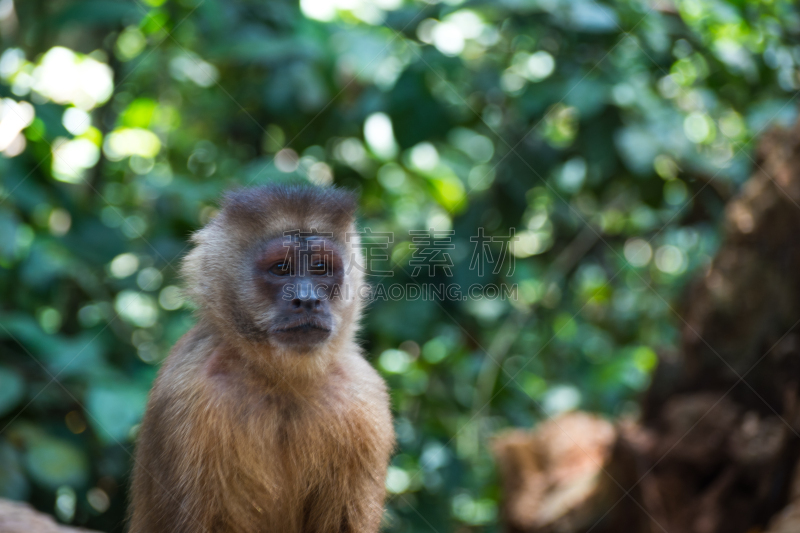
(306, 303)
(306, 298)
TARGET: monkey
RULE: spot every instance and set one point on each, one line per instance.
(266, 417)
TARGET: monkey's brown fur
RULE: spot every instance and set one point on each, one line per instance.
(244, 435)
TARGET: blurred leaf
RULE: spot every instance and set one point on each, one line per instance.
(114, 409)
(139, 113)
(13, 483)
(53, 462)
(109, 13)
(12, 389)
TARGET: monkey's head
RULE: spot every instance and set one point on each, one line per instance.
(280, 265)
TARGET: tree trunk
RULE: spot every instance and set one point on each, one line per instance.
(716, 449)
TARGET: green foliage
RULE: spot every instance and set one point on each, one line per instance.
(608, 135)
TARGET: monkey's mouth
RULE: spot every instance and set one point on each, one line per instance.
(304, 327)
(304, 332)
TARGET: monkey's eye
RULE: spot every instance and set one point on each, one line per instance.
(318, 267)
(281, 269)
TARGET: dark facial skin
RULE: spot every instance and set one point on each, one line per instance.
(301, 278)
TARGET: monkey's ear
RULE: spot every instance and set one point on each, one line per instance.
(197, 237)
(193, 269)
(341, 202)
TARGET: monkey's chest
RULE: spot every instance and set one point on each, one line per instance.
(279, 434)
(277, 475)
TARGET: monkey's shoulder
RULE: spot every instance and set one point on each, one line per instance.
(191, 347)
(186, 356)
(363, 393)
(355, 362)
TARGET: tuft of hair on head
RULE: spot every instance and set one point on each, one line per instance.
(303, 205)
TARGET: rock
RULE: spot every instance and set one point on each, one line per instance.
(17, 517)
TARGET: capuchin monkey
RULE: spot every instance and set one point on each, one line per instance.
(265, 416)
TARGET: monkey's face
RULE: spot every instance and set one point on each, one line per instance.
(301, 281)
